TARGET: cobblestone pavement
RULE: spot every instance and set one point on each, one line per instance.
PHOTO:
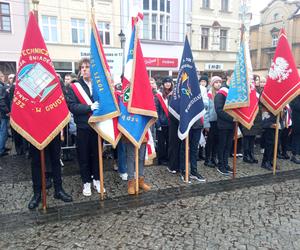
(255, 211)
(263, 217)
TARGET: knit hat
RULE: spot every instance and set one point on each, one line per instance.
(205, 78)
(167, 79)
(214, 79)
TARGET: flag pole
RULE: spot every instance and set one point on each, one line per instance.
(187, 159)
(276, 144)
(136, 170)
(43, 174)
(100, 167)
(235, 148)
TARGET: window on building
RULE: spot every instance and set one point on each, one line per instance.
(224, 5)
(49, 28)
(5, 19)
(274, 39)
(154, 4)
(146, 4)
(146, 27)
(204, 38)
(205, 4)
(78, 30)
(156, 21)
(223, 39)
(275, 16)
(104, 32)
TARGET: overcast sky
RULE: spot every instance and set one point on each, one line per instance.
(256, 7)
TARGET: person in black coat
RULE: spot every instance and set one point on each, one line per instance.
(87, 138)
(295, 106)
(226, 130)
(162, 123)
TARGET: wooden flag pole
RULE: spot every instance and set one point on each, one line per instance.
(187, 159)
(43, 174)
(276, 144)
(235, 148)
(136, 170)
(100, 167)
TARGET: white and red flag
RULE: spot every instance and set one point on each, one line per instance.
(283, 83)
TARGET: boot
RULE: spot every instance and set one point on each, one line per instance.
(143, 185)
(35, 201)
(131, 187)
(247, 157)
(254, 160)
(62, 195)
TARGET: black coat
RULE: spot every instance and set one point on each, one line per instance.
(4, 101)
(224, 121)
(295, 106)
(162, 119)
(80, 111)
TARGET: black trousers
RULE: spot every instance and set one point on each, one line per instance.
(248, 144)
(225, 141)
(296, 143)
(87, 153)
(162, 143)
(269, 141)
(20, 143)
(174, 144)
(284, 140)
(212, 142)
(52, 152)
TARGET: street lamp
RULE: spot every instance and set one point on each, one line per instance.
(122, 41)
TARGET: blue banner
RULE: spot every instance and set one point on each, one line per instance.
(186, 103)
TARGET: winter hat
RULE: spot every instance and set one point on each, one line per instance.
(214, 79)
(167, 79)
(204, 77)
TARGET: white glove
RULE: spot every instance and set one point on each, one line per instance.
(94, 106)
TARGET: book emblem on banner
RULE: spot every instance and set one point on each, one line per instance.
(280, 70)
(34, 79)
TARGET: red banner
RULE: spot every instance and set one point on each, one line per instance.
(39, 110)
(161, 62)
(283, 83)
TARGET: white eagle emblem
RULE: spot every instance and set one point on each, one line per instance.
(279, 70)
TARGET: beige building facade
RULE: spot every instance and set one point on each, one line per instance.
(264, 36)
(215, 34)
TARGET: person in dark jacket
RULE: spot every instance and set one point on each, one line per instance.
(269, 126)
(4, 115)
(295, 106)
(87, 138)
(162, 123)
(226, 128)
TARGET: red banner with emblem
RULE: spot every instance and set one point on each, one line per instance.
(283, 83)
(39, 110)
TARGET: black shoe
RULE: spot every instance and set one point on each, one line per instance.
(3, 154)
(222, 171)
(280, 156)
(267, 165)
(198, 177)
(253, 158)
(35, 201)
(229, 169)
(209, 164)
(62, 195)
(48, 183)
(295, 159)
(182, 177)
(247, 159)
(214, 162)
(286, 156)
(6, 149)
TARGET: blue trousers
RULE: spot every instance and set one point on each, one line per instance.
(3, 134)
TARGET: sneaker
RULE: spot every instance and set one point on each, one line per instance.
(222, 171)
(239, 155)
(229, 169)
(182, 177)
(61, 163)
(87, 189)
(171, 171)
(124, 176)
(96, 185)
(115, 166)
(198, 177)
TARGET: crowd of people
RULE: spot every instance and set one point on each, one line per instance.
(210, 138)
